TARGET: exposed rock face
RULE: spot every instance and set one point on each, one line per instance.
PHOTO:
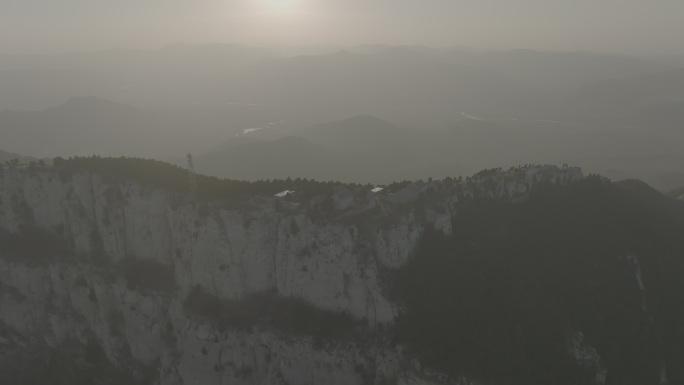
(334, 263)
(587, 357)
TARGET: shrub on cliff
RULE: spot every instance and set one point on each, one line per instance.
(32, 244)
(145, 274)
(288, 315)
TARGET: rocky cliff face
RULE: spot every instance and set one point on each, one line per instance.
(334, 262)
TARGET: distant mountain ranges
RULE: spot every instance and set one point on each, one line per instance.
(396, 83)
(457, 110)
(363, 149)
(367, 149)
(360, 149)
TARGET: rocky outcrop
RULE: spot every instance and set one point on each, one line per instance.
(231, 250)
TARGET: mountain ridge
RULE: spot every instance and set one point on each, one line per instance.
(534, 242)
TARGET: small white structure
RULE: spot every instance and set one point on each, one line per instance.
(283, 194)
(377, 190)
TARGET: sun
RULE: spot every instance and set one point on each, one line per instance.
(279, 5)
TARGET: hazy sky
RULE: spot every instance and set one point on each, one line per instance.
(625, 26)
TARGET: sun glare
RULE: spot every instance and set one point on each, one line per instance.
(279, 5)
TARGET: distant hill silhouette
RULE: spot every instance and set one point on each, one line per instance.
(365, 148)
(365, 133)
(8, 156)
(620, 95)
(235, 142)
(613, 114)
(556, 70)
(288, 157)
(677, 193)
(40, 86)
(297, 157)
(666, 116)
(81, 126)
(391, 83)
